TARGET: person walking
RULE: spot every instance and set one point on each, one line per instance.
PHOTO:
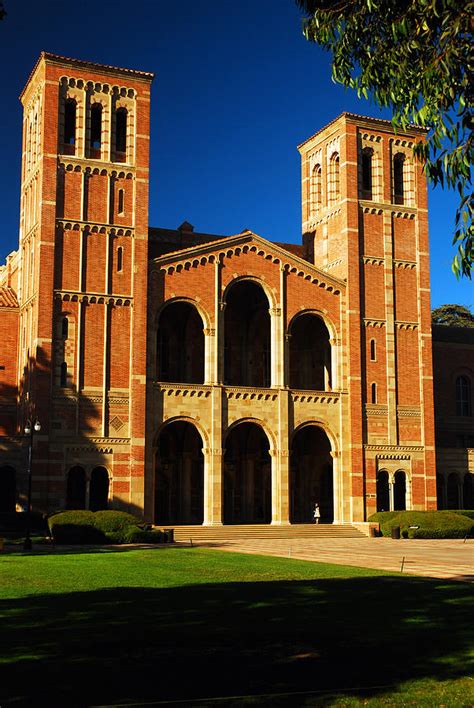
(316, 513)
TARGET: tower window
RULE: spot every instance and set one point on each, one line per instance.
(373, 393)
(398, 186)
(120, 201)
(121, 135)
(119, 259)
(372, 350)
(63, 374)
(334, 178)
(69, 126)
(96, 129)
(65, 327)
(463, 396)
(316, 188)
(367, 155)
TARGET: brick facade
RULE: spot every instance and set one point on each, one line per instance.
(198, 378)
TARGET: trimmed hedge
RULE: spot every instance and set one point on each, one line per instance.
(89, 527)
(466, 512)
(431, 524)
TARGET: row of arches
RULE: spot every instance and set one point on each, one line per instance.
(247, 343)
(247, 475)
(455, 490)
(391, 491)
(95, 122)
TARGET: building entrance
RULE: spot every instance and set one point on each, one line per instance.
(311, 476)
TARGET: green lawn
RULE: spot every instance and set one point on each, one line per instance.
(117, 627)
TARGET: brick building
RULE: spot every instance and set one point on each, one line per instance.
(199, 378)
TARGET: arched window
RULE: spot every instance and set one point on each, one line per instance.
(463, 396)
(367, 155)
(63, 381)
(372, 350)
(373, 393)
(119, 259)
(96, 130)
(383, 492)
(65, 327)
(121, 135)
(334, 180)
(399, 491)
(398, 184)
(316, 188)
(69, 141)
(120, 208)
(99, 489)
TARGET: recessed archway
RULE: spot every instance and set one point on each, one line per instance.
(247, 335)
(311, 476)
(179, 475)
(383, 491)
(76, 488)
(399, 491)
(7, 488)
(247, 476)
(99, 489)
(180, 344)
(310, 353)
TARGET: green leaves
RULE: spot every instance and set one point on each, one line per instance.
(415, 57)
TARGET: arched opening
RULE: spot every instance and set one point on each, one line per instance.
(367, 176)
(311, 476)
(247, 336)
(453, 491)
(180, 344)
(70, 109)
(334, 179)
(383, 493)
(373, 393)
(468, 491)
(121, 135)
(310, 354)
(96, 130)
(398, 182)
(440, 491)
(372, 350)
(400, 491)
(7, 489)
(119, 259)
(99, 489)
(76, 488)
(65, 328)
(120, 207)
(247, 476)
(179, 480)
(463, 396)
(316, 188)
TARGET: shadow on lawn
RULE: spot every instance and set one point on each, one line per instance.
(134, 644)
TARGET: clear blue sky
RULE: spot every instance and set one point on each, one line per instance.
(237, 88)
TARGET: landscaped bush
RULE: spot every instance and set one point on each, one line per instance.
(108, 526)
(466, 512)
(431, 524)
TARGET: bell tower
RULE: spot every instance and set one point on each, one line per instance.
(84, 253)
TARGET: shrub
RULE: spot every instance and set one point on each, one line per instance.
(110, 520)
(466, 512)
(75, 527)
(432, 524)
(135, 535)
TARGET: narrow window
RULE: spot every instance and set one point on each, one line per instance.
(65, 328)
(63, 375)
(96, 129)
(120, 201)
(372, 350)
(119, 258)
(367, 155)
(69, 126)
(121, 135)
(316, 188)
(463, 396)
(334, 178)
(373, 393)
(398, 187)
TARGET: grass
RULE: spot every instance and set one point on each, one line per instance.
(118, 627)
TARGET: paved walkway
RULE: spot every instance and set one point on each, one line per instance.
(453, 559)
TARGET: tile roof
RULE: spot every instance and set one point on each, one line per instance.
(7, 297)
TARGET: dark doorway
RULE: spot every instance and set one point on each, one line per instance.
(453, 491)
(76, 488)
(7, 489)
(400, 491)
(311, 476)
(247, 336)
(179, 488)
(180, 345)
(383, 494)
(310, 354)
(247, 476)
(99, 489)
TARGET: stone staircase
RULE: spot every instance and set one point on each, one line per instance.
(200, 534)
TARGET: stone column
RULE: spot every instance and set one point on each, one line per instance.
(210, 356)
(391, 491)
(213, 487)
(337, 486)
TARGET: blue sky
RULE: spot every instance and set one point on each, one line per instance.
(237, 88)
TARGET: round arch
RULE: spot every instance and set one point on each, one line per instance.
(247, 474)
(180, 341)
(179, 473)
(206, 320)
(312, 449)
(99, 487)
(383, 490)
(270, 295)
(311, 351)
(324, 427)
(257, 421)
(400, 481)
(182, 419)
(328, 321)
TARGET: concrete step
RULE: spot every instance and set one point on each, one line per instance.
(250, 531)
